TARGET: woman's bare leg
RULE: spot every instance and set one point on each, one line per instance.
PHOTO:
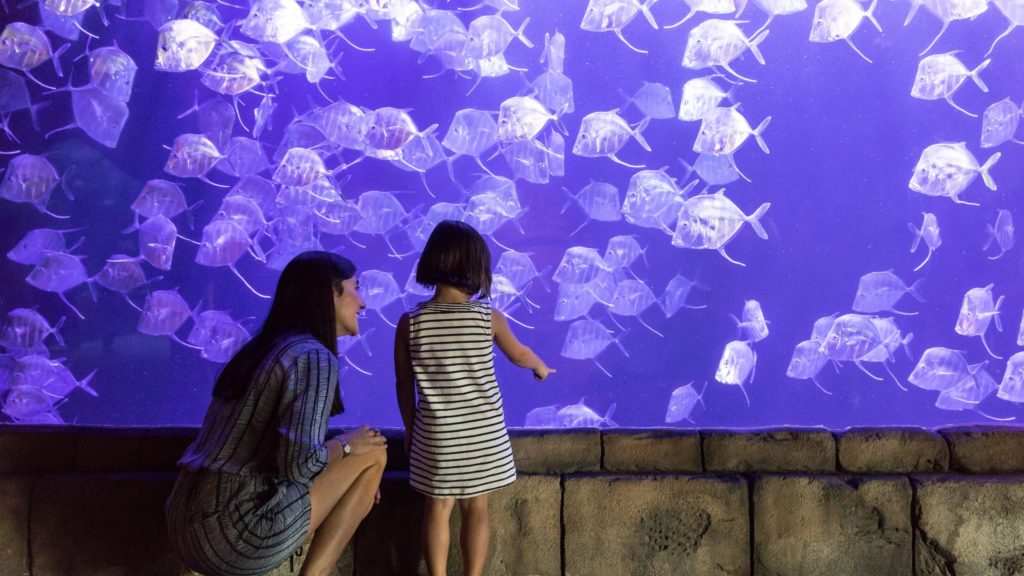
(436, 514)
(341, 497)
(475, 536)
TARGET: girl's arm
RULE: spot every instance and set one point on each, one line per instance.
(405, 388)
(514, 350)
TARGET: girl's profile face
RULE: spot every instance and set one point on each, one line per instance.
(347, 306)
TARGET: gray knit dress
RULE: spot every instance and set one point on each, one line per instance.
(241, 503)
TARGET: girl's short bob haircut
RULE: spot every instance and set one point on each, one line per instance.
(456, 255)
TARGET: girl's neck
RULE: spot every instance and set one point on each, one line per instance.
(446, 294)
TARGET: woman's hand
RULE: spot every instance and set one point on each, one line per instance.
(364, 439)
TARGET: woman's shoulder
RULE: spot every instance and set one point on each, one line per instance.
(291, 347)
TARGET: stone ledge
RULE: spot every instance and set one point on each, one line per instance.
(15, 502)
(89, 524)
(785, 450)
(654, 525)
(969, 526)
(525, 530)
(985, 450)
(557, 451)
(892, 451)
(836, 525)
(645, 450)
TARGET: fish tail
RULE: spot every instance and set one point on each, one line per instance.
(975, 75)
(754, 220)
(991, 236)
(638, 134)
(645, 8)
(988, 166)
(519, 33)
(870, 14)
(84, 384)
(752, 44)
(608, 415)
(56, 330)
(914, 5)
(917, 237)
(996, 313)
(912, 290)
(906, 344)
(760, 130)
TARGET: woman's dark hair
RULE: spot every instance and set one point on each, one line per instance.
(456, 255)
(303, 304)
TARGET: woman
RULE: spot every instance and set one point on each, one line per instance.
(261, 478)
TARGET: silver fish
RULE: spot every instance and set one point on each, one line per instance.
(681, 403)
(1001, 233)
(976, 312)
(947, 169)
(736, 366)
(879, 292)
(183, 45)
(716, 42)
(710, 221)
(941, 75)
(929, 232)
(999, 123)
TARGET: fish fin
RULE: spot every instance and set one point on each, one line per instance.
(519, 33)
(857, 50)
(763, 26)
(568, 202)
(626, 42)
(906, 344)
(617, 160)
(945, 24)
(996, 313)
(914, 5)
(988, 166)
(638, 134)
(645, 8)
(912, 290)
(985, 344)
(727, 257)
(753, 42)
(991, 236)
(84, 384)
(608, 414)
(754, 220)
(925, 261)
(917, 237)
(815, 380)
(759, 130)
(975, 75)
(1000, 37)
(949, 99)
(870, 14)
(685, 18)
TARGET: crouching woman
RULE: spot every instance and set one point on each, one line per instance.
(262, 478)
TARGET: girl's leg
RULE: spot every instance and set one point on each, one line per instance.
(341, 496)
(436, 513)
(476, 534)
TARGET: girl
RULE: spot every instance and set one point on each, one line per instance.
(454, 424)
(262, 478)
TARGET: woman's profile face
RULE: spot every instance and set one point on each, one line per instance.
(347, 306)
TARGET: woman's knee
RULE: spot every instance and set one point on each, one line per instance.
(442, 505)
(474, 504)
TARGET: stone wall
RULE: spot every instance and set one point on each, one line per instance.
(88, 501)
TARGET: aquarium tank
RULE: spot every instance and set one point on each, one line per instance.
(702, 213)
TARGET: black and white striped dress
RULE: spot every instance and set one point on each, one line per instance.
(460, 447)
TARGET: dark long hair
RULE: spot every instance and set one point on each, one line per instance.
(303, 304)
(456, 255)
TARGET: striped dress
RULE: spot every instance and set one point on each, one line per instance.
(241, 503)
(460, 447)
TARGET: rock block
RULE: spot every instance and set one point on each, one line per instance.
(770, 451)
(524, 520)
(985, 450)
(101, 450)
(832, 525)
(101, 525)
(15, 496)
(970, 526)
(651, 451)
(160, 449)
(652, 525)
(892, 451)
(557, 451)
(37, 449)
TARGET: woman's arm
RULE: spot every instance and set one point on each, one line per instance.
(405, 388)
(302, 416)
(514, 350)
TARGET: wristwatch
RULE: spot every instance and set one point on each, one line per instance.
(346, 448)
